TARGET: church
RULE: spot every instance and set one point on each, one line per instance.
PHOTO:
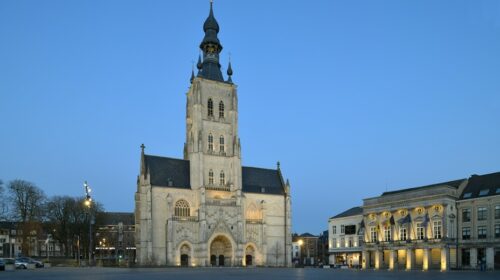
(207, 209)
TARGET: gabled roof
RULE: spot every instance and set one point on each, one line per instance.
(350, 212)
(171, 172)
(454, 184)
(260, 180)
(168, 172)
(307, 234)
(482, 186)
(114, 218)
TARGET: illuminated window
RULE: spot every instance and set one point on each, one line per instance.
(436, 227)
(387, 233)
(420, 231)
(181, 208)
(403, 234)
(373, 234)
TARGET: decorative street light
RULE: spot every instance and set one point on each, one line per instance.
(88, 203)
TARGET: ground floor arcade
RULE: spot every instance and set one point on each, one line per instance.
(439, 258)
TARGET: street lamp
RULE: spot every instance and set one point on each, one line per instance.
(301, 242)
(88, 203)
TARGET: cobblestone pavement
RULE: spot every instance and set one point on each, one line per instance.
(98, 273)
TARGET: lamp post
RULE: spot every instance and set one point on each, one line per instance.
(88, 203)
(301, 242)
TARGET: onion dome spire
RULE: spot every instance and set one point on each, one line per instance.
(211, 48)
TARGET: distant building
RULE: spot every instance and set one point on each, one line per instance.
(308, 248)
(115, 237)
(323, 248)
(479, 222)
(345, 232)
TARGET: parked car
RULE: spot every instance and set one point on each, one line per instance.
(22, 262)
(6, 261)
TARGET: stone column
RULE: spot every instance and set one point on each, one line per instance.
(426, 259)
(490, 258)
(445, 259)
(364, 259)
(378, 259)
(410, 259)
(473, 257)
(392, 259)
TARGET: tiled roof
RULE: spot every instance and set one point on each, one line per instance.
(482, 186)
(455, 184)
(170, 172)
(260, 180)
(166, 171)
(351, 212)
(114, 218)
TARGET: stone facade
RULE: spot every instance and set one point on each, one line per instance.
(413, 228)
(208, 210)
(479, 223)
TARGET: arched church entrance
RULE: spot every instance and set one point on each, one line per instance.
(185, 252)
(221, 251)
(249, 255)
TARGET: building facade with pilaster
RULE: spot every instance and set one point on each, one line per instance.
(413, 228)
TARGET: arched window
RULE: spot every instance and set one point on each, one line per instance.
(210, 142)
(181, 208)
(221, 109)
(221, 143)
(210, 107)
(210, 177)
(222, 178)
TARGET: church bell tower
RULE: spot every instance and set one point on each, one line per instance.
(212, 143)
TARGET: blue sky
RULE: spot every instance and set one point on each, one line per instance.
(353, 97)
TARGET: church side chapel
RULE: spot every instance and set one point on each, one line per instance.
(207, 209)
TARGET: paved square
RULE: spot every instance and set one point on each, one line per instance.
(98, 273)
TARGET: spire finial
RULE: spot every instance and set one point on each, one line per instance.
(142, 147)
(278, 164)
(192, 72)
(229, 71)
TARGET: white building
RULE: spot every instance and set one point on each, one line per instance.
(208, 209)
(345, 238)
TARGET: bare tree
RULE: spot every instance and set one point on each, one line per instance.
(27, 201)
(3, 202)
(58, 210)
